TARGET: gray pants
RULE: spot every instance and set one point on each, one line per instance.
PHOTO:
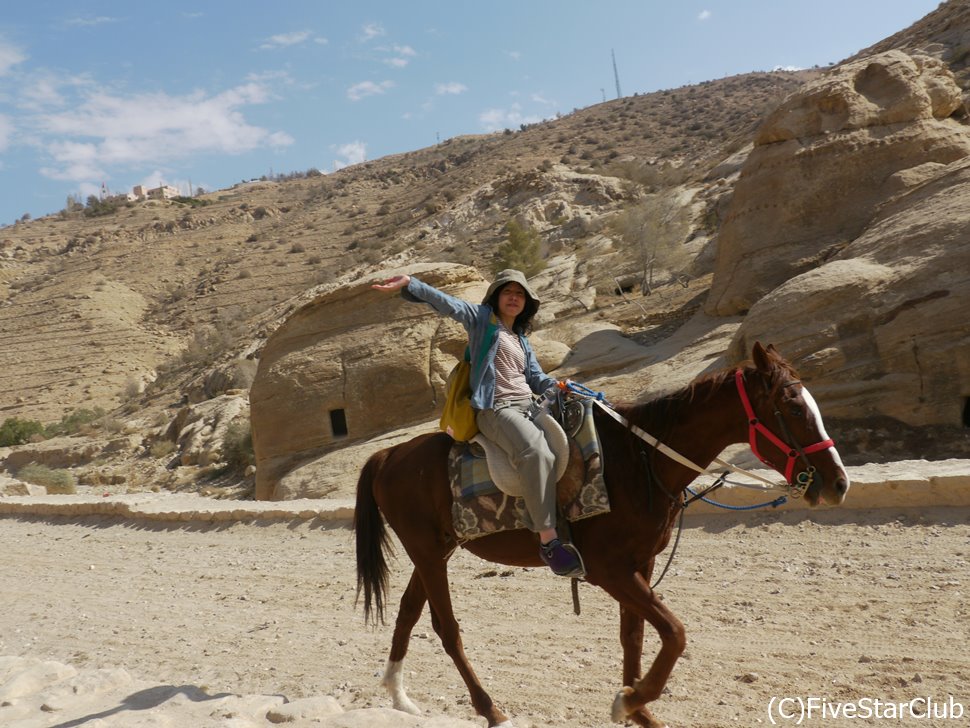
(524, 443)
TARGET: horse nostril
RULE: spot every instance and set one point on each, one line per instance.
(842, 486)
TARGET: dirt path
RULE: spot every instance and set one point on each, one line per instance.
(845, 606)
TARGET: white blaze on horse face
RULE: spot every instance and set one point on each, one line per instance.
(394, 682)
(816, 413)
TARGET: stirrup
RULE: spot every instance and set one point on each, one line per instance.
(563, 558)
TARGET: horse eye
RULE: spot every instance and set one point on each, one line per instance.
(796, 410)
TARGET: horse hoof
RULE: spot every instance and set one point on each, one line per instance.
(406, 706)
(619, 711)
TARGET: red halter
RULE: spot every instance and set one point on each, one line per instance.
(755, 426)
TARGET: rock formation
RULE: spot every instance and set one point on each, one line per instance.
(873, 209)
(881, 327)
(349, 364)
(822, 164)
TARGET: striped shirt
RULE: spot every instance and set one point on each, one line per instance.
(510, 367)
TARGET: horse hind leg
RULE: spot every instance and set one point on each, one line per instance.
(412, 604)
(435, 578)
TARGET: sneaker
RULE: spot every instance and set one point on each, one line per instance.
(562, 558)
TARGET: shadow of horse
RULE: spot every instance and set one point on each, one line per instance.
(147, 700)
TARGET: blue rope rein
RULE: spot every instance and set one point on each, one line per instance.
(587, 392)
(773, 503)
(577, 388)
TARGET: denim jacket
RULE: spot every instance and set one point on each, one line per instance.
(475, 318)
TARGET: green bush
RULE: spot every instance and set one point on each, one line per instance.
(522, 251)
(78, 421)
(237, 446)
(59, 482)
(15, 431)
(98, 208)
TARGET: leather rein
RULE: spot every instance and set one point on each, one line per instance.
(795, 488)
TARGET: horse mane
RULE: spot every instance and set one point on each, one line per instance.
(657, 415)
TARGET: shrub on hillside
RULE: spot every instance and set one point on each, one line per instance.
(162, 448)
(80, 420)
(17, 431)
(98, 208)
(59, 482)
(237, 446)
(522, 251)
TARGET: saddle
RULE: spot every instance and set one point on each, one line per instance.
(500, 469)
(486, 489)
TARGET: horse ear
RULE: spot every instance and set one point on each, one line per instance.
(762, 357)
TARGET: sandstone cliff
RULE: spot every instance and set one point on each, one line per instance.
(822, 164)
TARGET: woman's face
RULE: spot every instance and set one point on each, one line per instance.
(511, 300)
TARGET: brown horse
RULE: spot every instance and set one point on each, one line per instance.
(408, 484)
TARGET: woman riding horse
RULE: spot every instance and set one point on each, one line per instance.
(502, 390)
(406, 487)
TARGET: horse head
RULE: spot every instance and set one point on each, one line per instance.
(785, 428)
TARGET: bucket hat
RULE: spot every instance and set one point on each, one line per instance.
(510, 275)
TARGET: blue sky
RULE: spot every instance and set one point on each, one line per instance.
(212, 93)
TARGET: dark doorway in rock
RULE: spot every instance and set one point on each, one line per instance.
(338, 423)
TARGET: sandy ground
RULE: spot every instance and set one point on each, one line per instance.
(837, 605)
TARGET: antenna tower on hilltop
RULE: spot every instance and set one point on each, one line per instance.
(616, 75)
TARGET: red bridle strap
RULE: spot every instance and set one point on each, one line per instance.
(756, 427)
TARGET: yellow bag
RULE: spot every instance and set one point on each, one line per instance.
(458, 417)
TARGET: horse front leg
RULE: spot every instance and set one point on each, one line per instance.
(639, 602)
(412, 604)
(631, 639)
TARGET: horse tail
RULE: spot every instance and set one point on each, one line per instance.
(372, 541)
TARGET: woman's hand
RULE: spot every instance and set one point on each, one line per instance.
(392, 284)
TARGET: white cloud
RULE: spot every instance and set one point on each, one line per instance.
(371, 31)
(90, 22)
(281, 40)
(401, 55)
(539, 99)
(75, 161)
(368, 88)
(103, 131)
(6, 131)
(45, 90)
(497, 119)
(452, 88)
(514, 55)
(285, 40)
(704, 15)
(10, 56)
(272, 78)
(351, 153)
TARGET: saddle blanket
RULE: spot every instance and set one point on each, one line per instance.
(479, 508)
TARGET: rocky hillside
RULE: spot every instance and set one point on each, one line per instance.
(157, 312)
